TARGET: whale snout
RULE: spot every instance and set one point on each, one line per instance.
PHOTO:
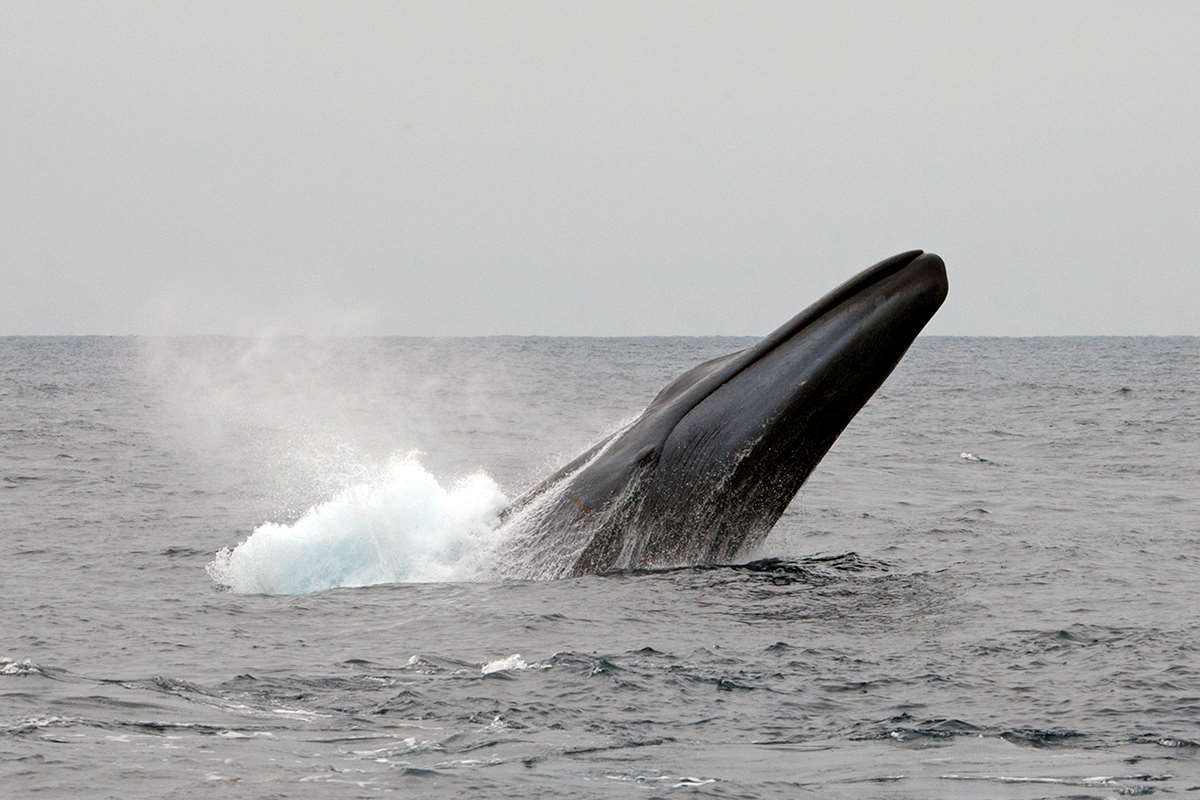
(929, 271)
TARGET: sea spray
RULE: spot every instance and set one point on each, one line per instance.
(402, 526)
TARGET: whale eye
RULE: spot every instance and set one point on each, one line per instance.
(646, 456)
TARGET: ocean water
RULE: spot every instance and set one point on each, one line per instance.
(268, 568)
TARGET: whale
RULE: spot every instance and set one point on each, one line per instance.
(709, 466)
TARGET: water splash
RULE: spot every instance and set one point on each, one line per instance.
(403, 526)
(510, 663)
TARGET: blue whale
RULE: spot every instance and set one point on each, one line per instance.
(706, 470)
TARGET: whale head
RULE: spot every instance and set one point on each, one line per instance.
(712, 462)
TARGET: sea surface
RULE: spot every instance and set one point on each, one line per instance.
(266, 568)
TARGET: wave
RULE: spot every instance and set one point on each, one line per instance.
(403, 526)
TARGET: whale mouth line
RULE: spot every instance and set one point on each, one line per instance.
(837, 297)
(745, 359)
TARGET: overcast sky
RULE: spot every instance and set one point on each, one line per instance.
(592, 169)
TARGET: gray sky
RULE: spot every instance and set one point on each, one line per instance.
(601, 168)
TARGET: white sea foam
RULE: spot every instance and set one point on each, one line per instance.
(13, 667)
(401, 526)
(512, 662)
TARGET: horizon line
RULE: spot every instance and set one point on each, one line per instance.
(561, 336)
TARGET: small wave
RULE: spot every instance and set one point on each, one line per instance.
(34, 724)
(510, 664)
(177, 551)
(817, 570)
(1038, 737)
(402, 527)
(582, 663)
(1166, 741)
(13, 481)
(10, 666)
(504, 664)
(903, 728)
(1122, 784)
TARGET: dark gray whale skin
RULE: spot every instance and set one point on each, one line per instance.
(709, 466)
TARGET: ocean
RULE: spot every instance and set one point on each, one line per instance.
(267, 568)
